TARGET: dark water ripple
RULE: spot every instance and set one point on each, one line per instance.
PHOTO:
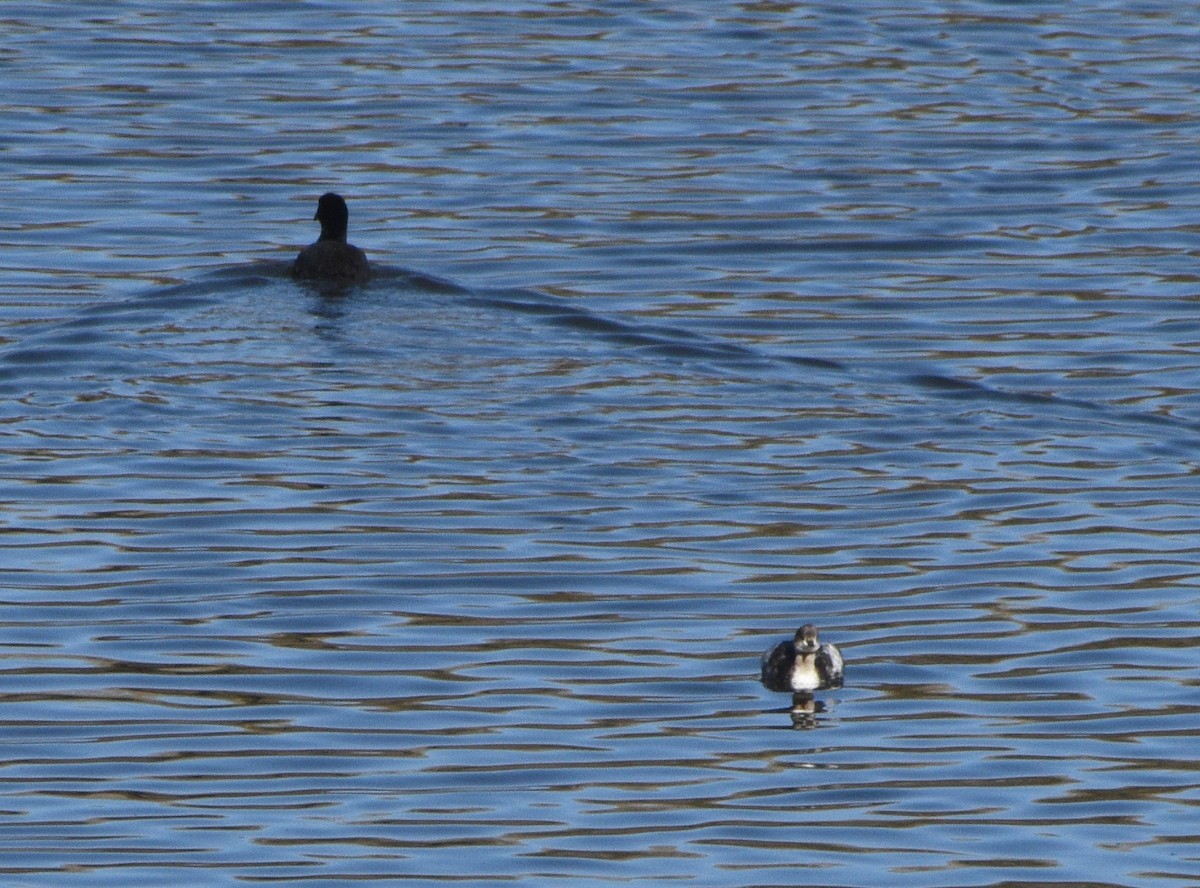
(724, 320)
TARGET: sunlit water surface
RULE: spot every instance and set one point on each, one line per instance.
(690, 324)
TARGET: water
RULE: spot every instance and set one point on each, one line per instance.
(690, 326)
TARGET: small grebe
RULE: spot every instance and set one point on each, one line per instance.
(802, 665)
(331, 258)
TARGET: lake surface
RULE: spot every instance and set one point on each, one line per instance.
(690, 324)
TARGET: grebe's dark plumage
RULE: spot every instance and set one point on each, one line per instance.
(802, 665)
(331, 258)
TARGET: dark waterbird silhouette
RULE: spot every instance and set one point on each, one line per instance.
(331, 259)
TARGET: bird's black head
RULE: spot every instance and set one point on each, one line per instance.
(333, 216)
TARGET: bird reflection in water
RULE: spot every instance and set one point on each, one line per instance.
(805, 709)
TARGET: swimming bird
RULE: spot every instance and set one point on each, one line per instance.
(802, 665)
(331, 258)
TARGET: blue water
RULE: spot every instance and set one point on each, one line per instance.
(688, 326)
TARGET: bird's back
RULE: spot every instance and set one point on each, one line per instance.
(330, 260)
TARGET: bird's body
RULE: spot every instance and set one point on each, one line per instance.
(331, 258)
(802, 665)
(332, 261)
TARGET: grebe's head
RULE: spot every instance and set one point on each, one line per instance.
(806, 638)
(333, 216)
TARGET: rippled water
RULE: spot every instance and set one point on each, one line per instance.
(690, 325)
